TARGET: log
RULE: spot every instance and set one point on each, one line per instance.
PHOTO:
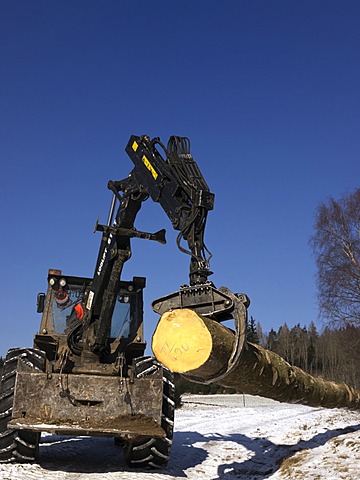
(200, 349)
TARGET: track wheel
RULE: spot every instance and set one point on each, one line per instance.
(17, 445)
(154, 452)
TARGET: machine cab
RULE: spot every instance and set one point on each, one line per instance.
(65, 298)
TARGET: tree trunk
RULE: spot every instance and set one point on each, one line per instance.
(200, 348)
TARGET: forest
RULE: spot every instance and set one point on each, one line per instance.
(334, 353)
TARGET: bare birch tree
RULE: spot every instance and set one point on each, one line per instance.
(336, 246)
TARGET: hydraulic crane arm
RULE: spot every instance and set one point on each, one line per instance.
(173, 180)
(178, 185)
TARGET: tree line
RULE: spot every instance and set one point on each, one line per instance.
(333, 353)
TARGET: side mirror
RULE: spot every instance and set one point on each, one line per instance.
(40, 302)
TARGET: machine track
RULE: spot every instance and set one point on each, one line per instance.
(154, 452)
(17, 445)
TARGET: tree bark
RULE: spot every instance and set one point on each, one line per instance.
(200, 348)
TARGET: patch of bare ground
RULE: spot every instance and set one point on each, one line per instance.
(348, 443)
(289, 466)
(337, 457)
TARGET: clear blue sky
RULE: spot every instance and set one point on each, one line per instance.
(267, 91)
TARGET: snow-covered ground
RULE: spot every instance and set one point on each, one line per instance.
(223, 437)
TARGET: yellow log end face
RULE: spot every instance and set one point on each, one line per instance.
(181, 341)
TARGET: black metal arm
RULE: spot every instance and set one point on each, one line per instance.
(178, 185)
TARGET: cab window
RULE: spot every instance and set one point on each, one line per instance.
(61, 310)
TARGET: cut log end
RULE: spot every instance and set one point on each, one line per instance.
(181, 341)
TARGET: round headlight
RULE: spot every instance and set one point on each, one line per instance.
(52, 281)
(62, 282)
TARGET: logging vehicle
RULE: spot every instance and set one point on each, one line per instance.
(87, 372)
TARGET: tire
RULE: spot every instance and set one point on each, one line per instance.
(18, 446)
(154, 452)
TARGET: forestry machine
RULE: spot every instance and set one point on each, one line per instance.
(86, 373)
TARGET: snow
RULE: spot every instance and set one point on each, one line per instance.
(227, 437)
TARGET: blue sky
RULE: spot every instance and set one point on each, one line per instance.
(267, 91)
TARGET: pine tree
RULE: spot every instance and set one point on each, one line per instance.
(251, 331)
